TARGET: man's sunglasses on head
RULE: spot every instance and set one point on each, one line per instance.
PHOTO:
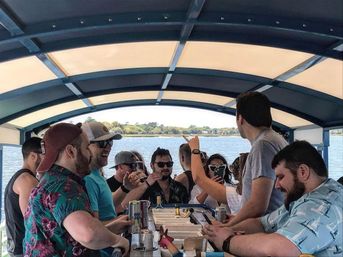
(163, 164)
(215, 167)
(103, 143)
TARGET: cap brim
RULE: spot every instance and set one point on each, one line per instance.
(109, 136)
(47, 161)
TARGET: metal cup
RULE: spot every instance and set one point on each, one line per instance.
(148, 240)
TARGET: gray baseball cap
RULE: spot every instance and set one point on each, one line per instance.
(124, 157)
(96, 131)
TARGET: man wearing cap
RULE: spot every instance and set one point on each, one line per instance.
(126, 177)
(101, 141)
(17, 195)
(125, 162)
(58, 220)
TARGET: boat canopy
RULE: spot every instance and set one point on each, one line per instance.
(64, 58)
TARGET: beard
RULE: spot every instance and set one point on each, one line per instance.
(98, 161)
(82, 164)
(296, 192)
(165, 177)
(165, 174)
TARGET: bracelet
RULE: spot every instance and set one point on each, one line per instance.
(226, 243)
(147, 183)
(125, 190)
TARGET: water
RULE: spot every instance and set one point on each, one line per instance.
(230, 147)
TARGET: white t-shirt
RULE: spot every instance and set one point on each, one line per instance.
(233, 199)
(210, 201)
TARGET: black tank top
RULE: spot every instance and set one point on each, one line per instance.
(190, 181)
(15, 229)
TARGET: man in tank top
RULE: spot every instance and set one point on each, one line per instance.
(17, 194)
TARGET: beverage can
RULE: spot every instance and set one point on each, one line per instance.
(148, 240)
(116, 253)
(220, 214)
(135, 216)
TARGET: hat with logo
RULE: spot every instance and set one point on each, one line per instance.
(124, 157)
(96, 131)
(55, 139)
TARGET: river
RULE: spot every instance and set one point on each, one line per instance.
(230, 147)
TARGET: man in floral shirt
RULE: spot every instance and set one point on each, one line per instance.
(58, 220)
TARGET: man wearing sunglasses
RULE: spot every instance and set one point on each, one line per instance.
(100, 195)
(160, 183)
(128, 175)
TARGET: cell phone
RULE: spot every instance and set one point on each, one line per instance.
(220, 172)
(207, 218)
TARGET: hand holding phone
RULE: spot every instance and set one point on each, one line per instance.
(220, 172)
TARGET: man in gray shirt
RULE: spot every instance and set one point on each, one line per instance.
(254, 122)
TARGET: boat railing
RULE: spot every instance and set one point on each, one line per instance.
(3, 240)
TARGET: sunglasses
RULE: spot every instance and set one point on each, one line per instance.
(104, 143)
(132, 166)
(140, 165)
(215, 167)
(162, 164)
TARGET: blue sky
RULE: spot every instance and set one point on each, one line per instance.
(167, 115)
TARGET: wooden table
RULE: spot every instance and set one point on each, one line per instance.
(157, 253)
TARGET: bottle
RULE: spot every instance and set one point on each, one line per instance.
(116, 252)
(177, 210)
(159, 202)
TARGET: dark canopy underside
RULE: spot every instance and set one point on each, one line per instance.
(63, 58)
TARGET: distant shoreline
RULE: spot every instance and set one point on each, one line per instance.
(180, 135)
(175, 135)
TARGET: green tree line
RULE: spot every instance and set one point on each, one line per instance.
(153, 128)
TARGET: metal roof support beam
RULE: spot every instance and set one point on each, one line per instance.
(1, 174)
(60, 74)
(326, 144)
(306, 64)
(192, 15)
(11, 24)
(295, 70)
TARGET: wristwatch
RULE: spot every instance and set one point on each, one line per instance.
(124, 189)
(196, 151)
(226, 243)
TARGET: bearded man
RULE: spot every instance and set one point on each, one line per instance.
(159, 182)
(310, 221)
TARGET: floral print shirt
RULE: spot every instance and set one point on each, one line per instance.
(59, 193)
(177, 193)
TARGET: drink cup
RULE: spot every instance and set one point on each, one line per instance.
(148, 240)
